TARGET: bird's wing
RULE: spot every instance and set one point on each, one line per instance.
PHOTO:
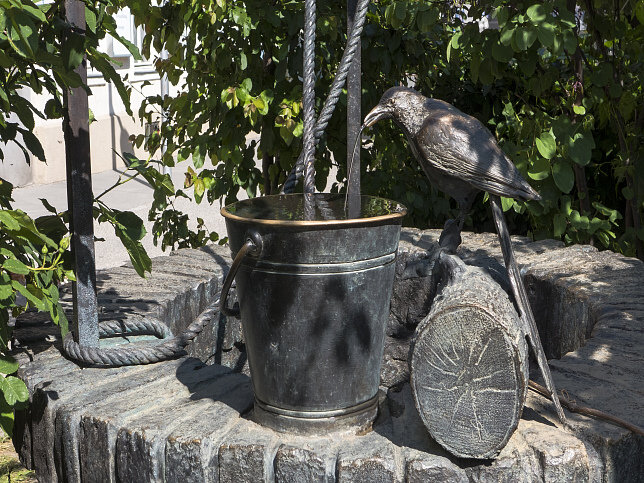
(459, 146)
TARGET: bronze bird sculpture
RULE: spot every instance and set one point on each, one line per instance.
(460, 157)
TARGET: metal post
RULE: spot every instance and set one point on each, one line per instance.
(354, 115)
(165, 91)
(79, 195)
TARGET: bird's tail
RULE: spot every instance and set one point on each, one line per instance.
(523, 303)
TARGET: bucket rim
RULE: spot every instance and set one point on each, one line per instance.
(398, 215)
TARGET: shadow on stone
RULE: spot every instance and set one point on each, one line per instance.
(217, 383)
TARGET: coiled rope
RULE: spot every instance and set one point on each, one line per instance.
(353, 43)
(129, 356)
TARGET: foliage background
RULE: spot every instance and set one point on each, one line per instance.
(558, 82)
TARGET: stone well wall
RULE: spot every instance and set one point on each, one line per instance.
(190, 419)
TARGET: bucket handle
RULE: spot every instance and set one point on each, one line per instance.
(252, 246)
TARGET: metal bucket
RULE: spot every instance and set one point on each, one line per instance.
(314, 293)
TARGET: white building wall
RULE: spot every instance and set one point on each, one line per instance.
(110, 131)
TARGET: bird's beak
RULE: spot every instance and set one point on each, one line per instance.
(376, 114)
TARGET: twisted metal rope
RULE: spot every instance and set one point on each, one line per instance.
(308, 96)
(134, 325)
(129, 356)
(353, 43)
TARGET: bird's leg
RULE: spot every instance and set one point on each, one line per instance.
(450, 237)
(521, 297)
(461, 217)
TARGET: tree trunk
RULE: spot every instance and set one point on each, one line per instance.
(578, 92)
(267, 161)
(468, 363)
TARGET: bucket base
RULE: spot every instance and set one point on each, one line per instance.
(356, 419)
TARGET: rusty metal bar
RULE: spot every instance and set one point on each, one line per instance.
(354, 114)
(80, 197)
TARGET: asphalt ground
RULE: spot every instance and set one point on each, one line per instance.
(135, 195)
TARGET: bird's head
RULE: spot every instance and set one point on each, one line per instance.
(402, 104)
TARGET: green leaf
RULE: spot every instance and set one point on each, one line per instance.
(604, 75)
(5, 289)
(198, 156)
(104, 65)
(286, 135)
(8, 365)
(243, 61)
(506, 36)
(540, 169)
(628, 192)
(5, 61)
(138, 256)
(132, 49)
(569, 41)
(400, 10)
(9, 221)
(22, 34)
(242, 95)
(537, 13)
(53, 109)
(546, 34)
(14, 390)
(502, 53)
(603, 238)
(23, 109)
(579, 110)
(6, 417)
(258, 102)
(578, 221)
(506, 203)
(35, 301)
(580, 148)
(639, 11)
(33, 144)
(546, 145)
(26, 228)
(90, 19)
(426, 19)
(475, 65)
(131, 224)
(560, 224)
(63, 323)
(486, 76)
(615, 90)
(612, 215)
(14, 265)
(501, 15)
(199, 188)
(73, 51)
(563, 175)
(33, 9)
(525, 37)
(455, 40)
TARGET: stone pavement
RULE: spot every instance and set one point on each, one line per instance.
(191, 419)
